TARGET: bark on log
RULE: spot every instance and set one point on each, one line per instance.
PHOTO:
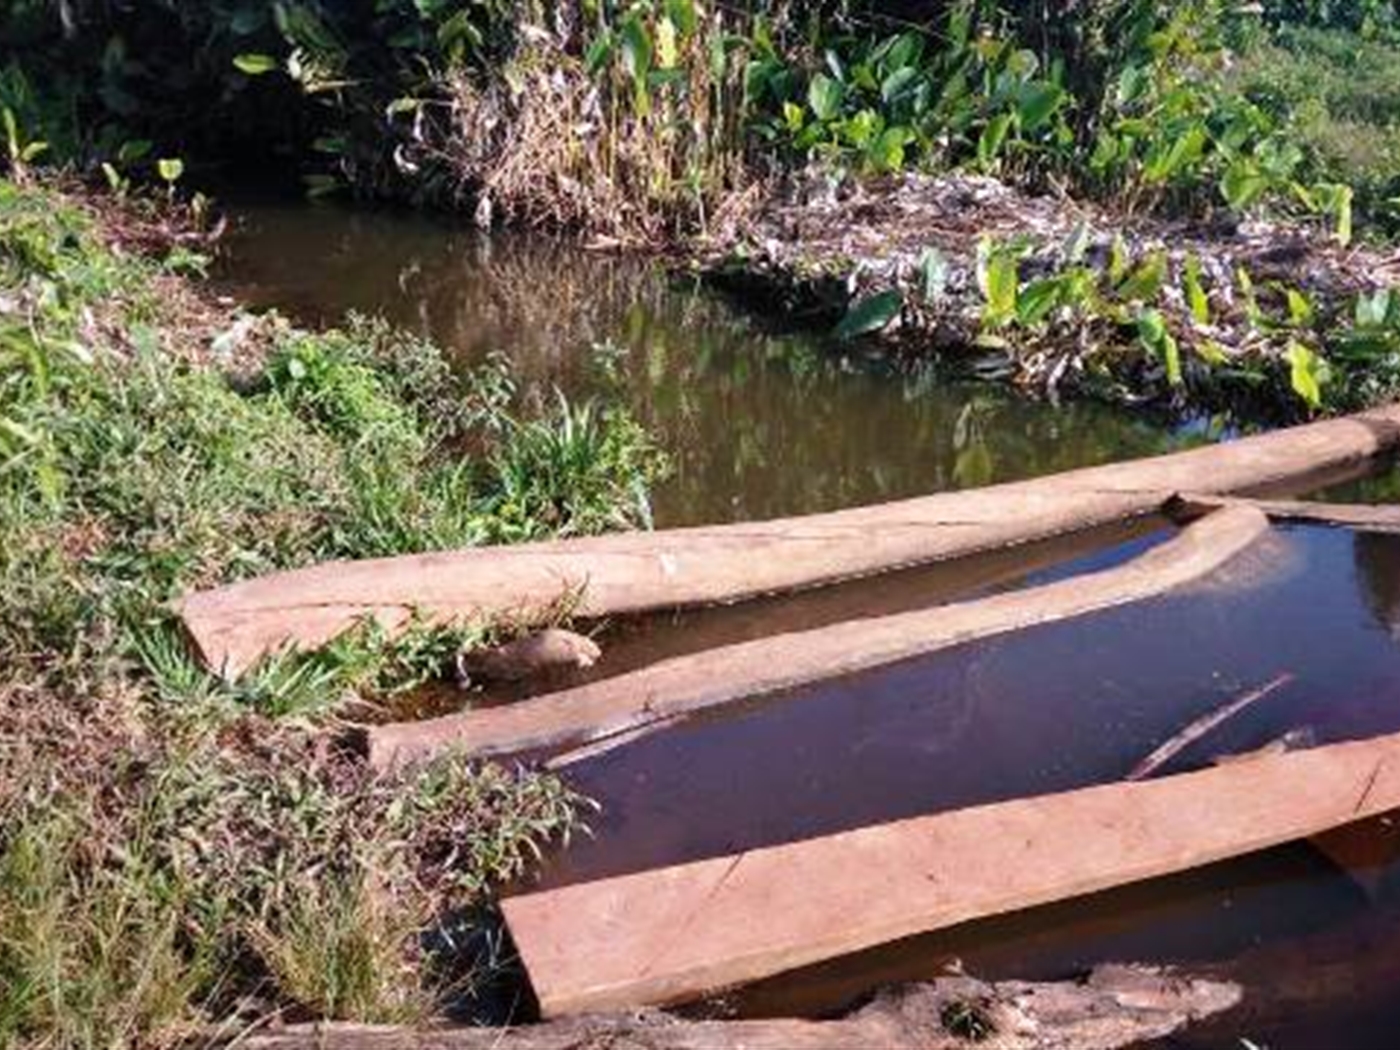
(618, 708)
(1117, 1006)
(234, 626)
(677, 933)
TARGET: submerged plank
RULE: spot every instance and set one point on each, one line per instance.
(623, 705)
(234, 626)
(1117, 1006)
(674, 934)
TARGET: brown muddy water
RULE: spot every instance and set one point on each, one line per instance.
(759, 421)
(762, 421)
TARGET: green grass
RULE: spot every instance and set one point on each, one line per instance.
(1338, 95)
(176, 850)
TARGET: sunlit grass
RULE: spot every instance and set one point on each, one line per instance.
(175, 847)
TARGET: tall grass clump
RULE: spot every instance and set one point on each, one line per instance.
(176, 850)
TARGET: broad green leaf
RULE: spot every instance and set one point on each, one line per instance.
(1118, 261)
(1307, 374)
(682, 15)
(1158, 340)
(254, 64)
(870, 314)
(1023, 64)
(1040, 100)
(598, 53)
(1144, 283)
(1242, 185)
(1195, 294)
(636, 49)
(1078, 244)
(888, 151)
(1000, 284)
(1171, 358)
(933, 267)
(133, 150)
(1211, 352)
(824, 96)
(992, 138)
(1300, 311)
(667, 52)
(1184, 153)
(1337, 200)
(641, 93)
(1373, 309)
(1251, 303)
(1343, 217)
(897, 82)
(861, 130)
(1036, 300)
(904, 51)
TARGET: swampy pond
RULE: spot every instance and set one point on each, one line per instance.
(763, 419)
(760, 419)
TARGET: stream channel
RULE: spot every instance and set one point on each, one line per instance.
(762, 420)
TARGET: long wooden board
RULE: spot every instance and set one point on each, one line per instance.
(673, 934)
(622, 705)
(234, 626)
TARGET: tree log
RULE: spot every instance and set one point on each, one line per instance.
(1117, 1006)
(234, 626)
(678, 933)
(618, 708)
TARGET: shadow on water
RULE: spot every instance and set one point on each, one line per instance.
(759, 422)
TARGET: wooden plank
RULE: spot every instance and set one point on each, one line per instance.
(234, 626)
(1364, 517)
(618, 707)
(1118, 1006)
(674, 934)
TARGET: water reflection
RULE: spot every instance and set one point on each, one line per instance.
(760, 422)
(1378, 575)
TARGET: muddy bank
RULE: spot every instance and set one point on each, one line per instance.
(1060, 295)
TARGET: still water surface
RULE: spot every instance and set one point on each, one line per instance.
(759, 422)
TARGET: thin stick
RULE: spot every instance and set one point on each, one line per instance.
(1203, 725)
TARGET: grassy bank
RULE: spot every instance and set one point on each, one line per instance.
(176, 850)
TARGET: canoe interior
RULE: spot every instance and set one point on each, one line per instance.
(1050, 709)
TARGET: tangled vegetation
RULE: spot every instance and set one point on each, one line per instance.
(689, 123)
(1181, 200)
(177, 850)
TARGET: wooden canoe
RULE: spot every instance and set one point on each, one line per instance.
(674, 934)
(234, 626)
(619, 707)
